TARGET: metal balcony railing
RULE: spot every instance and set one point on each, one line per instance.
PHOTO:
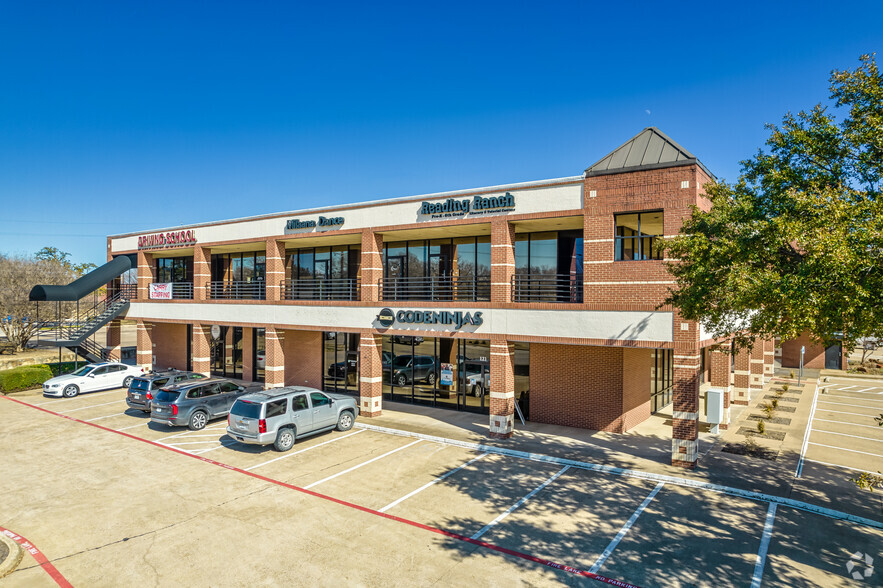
(320, 289)
(436, 288)
(237, 290)
(547, 288)
(181, 290)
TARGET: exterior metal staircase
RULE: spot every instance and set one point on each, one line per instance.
(75, 336)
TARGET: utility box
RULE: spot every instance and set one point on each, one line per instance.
(714, 407)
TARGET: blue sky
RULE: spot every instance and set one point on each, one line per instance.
(122, 116)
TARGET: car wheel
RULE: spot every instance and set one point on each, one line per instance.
(127, 382)
(198, 420)
(70, 391)
(430, 379)
(284, 440)
(479, 391)
(345, 421)
(401, 380)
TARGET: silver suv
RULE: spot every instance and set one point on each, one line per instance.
(281, 415)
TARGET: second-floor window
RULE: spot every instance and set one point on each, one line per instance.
(174, 269)
(639, 236)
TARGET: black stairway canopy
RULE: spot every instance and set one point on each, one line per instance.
(85, 284)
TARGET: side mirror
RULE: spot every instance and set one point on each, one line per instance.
(332, 400)
(91, 375)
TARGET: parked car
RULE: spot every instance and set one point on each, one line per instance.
(407, 339)
(281, 415)
(144, 388)
(92, 378)
(261, 358)
(409, 368)
(477, 376)
(194, 403)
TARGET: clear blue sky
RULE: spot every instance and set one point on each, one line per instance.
(120, 116)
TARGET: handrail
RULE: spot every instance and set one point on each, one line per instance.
(320, 289)
(436, 288)
(180, 290)
(237, 290)
(73, 332)
(566, 288)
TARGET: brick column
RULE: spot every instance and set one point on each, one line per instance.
(685, 404)
(370, 374)
(742, 377)
(502, 392)
(202, 272)
(275, 269)
(756, 367)
(371, 265)
(144, 334)
(113, 340)
(502, 259)
(274, 358)
(145, 274)
(200, 349)
(721, 359)
(769, 358)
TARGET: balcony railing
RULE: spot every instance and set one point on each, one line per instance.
(320, 289)
(237, 290)
(177, 290)
(547, 288)
(436, 288)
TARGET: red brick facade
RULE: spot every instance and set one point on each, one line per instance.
(813, 357)
(303, 355)
(170, 346)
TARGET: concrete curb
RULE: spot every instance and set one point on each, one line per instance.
(13, 558)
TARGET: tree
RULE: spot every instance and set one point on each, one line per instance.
(795, 245)
(63, 258)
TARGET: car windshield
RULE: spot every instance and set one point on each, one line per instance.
(402, 361)
(248, 410)
(139, 384)
(166, 396)
(83, 371)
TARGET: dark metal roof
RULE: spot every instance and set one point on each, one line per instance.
(649, 149)
(82, 286)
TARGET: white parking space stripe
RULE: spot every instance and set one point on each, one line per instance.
(201, 451)
(837, 465)
(89, 395)
(524, 499)
(848, 387)
(851, 397)
(812, 414)
(870, 416)
(845, 435)
(355, 467)
(133, 426)
(848, 423)
(865, 390)
(107, 416)
(855, 405)
(764, 545)
(176, 444)
(303, 450)
(435, 481)
(92, 406)
(188, 436)
(849, 450)
(625, 529)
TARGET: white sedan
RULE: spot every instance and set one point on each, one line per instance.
(91, 378)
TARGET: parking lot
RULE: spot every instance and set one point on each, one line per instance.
(843, 432)
(383, 508)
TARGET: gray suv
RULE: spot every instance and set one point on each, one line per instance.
(408, 368)
(144, 388)
(281, 415)
(194, 403)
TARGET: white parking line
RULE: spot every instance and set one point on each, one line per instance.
(435, 481)
(303, 450)
(107, 416)
(764, 545)
(812, 414)
(625, 529)
(837, 465)
(92, 406)
(848, 423)
(524, 499)
(355, 467)
(844, 449)
(133, 426)
(89, 395)
(850, 397)
(845, 435)
(187, 435)
(870, 416)
(201, 451)
(193, 442)
(855, 405)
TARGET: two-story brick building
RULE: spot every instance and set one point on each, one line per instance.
(546, 294)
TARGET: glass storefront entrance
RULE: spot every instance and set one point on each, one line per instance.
(453, 373)
(661, 378)
(340, 362)
(226, 352)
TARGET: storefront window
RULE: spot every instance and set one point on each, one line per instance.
(260, 355)
(441, 372)
(226, 353)
(661, 378)
(340, 362)
(438, 269)
(174, 269)
(522, 377)
(549, 267)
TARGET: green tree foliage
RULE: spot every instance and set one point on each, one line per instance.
(54, 254)
(796, 243)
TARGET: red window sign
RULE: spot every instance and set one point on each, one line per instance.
(170, 239)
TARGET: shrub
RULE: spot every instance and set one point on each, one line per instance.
(791, 374)
(774, 403)
(24, 377)
(784, 387)
(761, 428)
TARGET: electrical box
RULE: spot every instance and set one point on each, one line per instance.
(714, 405)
